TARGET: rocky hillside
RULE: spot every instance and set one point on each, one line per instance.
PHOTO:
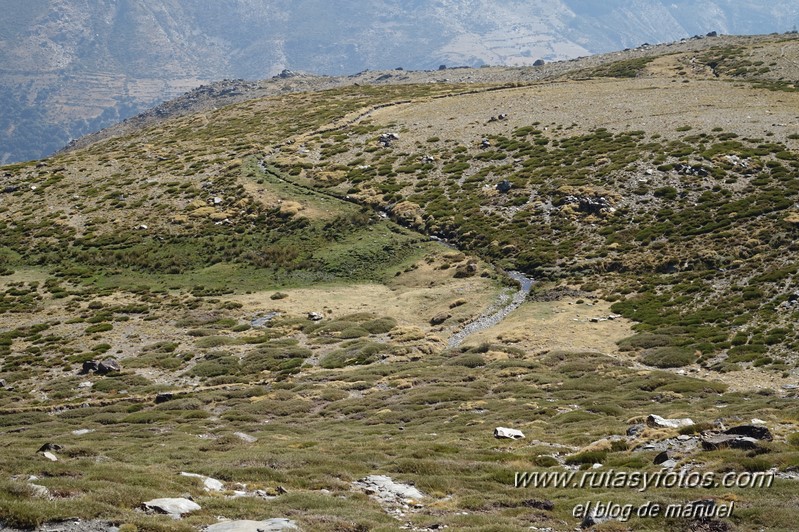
(309, 308)
(68, 68)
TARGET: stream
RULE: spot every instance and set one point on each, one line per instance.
(490, 318)
(493, 317)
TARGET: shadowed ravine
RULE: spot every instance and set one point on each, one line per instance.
(490, 319)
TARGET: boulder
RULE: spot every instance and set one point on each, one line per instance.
(269, 525)
(661, 458)
(174, 507)
(538, 63)
(49, 447)
(88, 366)
(108, 365)
(751, 431)
(316, 316)
(504, 432)
(731, 441)
(503, 186)
(654, 420)
(163, 397)
(50, 456)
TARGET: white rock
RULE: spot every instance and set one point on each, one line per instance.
(270, 525)
(175, 507)
(39, 491)
(386, 489)
(654, 420)
(756, 421)
(81, 432)
(210, 484)
(50, 456)
(503, 432)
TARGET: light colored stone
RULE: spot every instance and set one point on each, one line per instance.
(387, 490)
(654, 420)
(174, 507)
(504, 432)
(245, 437)
(210, 484)
(270, 525)
(50, 456)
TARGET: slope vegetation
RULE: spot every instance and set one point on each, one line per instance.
(264, 293)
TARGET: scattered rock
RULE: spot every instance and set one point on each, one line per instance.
(209, 484)
(386, 139)
(661, 458)
(590, 204)
(174, 507)
(260, 321)
(270, 525)
(635, 430)
(108, 365)
(731, 441)
(245, 437)
(440, 318)
(593, 519)
(386, 490)
(545, 504)
(163, 397)
(286, 73)
(656, 421)
(503, 432)
(691, 169)
(504, 186)
(40, 491)
(88, 366)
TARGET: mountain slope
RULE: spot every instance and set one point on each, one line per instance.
(69, 68)
(258, 292)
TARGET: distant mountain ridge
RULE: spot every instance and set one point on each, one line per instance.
(70, 67)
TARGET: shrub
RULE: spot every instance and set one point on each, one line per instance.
(668, 357)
